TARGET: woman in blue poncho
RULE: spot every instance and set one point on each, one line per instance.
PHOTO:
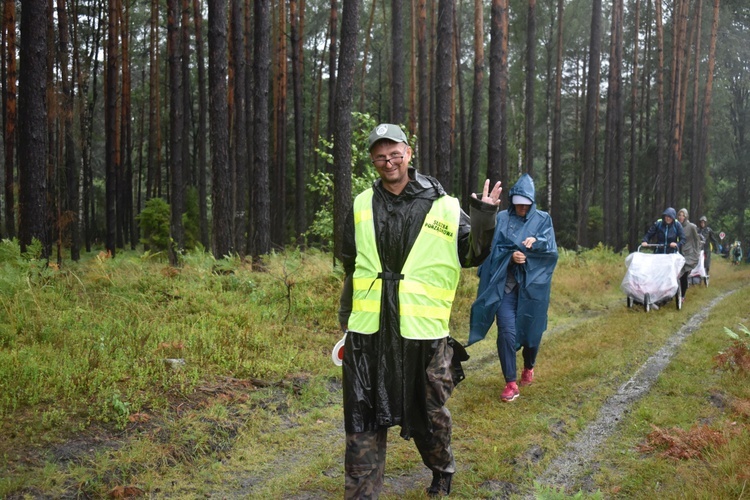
(514, 284)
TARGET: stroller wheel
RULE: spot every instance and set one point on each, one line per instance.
(678, 300)
(647, 303)
(630, 301)
(705, 281)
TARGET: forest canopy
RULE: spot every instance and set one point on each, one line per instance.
(247, 119)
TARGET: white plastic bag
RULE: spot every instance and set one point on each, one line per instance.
(654, 274)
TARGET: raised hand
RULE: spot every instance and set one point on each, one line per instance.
(492, 198)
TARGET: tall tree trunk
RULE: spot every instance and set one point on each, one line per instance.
(32, 127)
(706, 113)
(443, 73)
(300, 222)
(613, 146)
(530, 79)
(86, 123)
(239, 132)
(110, 126)
(477, 103)
(188, 171)
(201, 137)
(660, 183)
(586, 188)
(10, 114)
(278, 170)
(368, 37)
(554, 189)
(497, 124)
(678, 61)
(219, 128)
(695, 180)
(71, 171)
(332, 46)
(423, 124)
(462, 188)
(397, 62)
(126, 131)
(342, 154)
(632, 172)
(176, 119)
(261, 239)
(154, 124)
(413, 109)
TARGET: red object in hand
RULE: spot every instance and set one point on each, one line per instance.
(337, 354)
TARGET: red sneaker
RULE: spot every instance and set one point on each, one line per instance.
(527, 377)
(510, 392)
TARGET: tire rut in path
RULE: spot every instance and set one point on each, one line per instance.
(571, 466)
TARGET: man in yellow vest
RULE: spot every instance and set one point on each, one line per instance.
(404, 245)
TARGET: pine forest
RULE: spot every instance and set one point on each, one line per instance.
(241, 125)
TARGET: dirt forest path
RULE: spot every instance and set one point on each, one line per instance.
(565, 470)
(568, 468)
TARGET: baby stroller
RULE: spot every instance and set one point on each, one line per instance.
(652, 279)
(698, 273)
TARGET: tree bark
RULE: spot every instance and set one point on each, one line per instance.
(342, 155)
(10, 113)
(632, 172)
(239, 132)
(477, 102)
(300, 221)
(530, 79)
(554, 189)
(176, 124)
(110, 121)
(497, 128)
(201, 137)
(586, 188)
(706, 113)
(443, 86)
(219, 127)
(261, 237)
(32, 127)
(397, 62)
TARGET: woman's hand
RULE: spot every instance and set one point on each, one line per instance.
(528, 241)
(519, 257)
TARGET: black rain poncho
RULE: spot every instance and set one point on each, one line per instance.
(384, 384)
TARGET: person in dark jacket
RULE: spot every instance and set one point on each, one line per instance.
(667, 231)
(403, 246)
(708, 236)
(691, 248)
(515, 283)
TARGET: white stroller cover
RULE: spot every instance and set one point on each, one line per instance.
(700, 269)
(654, 274)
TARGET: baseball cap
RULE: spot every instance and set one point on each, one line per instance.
(387, 131)
(521, 200)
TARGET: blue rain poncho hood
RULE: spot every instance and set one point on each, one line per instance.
(534, 277)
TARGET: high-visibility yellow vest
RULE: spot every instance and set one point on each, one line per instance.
(428, 280)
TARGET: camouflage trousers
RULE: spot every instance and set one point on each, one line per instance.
(364, 461)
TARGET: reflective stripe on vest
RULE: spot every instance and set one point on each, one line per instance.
(429, 277)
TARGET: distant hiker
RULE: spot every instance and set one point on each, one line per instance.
(514, 285)
(667, 231)
(691, 248)
(708, 237)
(404, 244)
(735, 253)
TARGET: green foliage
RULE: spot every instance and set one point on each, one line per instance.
(363, 175)
(735, 336)
(154, 221)
(191, 219)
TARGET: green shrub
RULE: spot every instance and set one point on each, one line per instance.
(154, 221)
